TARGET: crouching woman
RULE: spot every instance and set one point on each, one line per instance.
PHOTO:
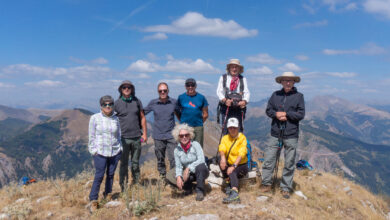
(106, 148)
(189, 161)
(233, 151)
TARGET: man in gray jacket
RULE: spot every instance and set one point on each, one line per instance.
(286, 108)
(132, 119)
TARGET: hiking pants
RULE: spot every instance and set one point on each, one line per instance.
(240, 171)
(103, 165)
(160, 148)
(198, 131)
(234, 112)
(290, 151)
(131, 146)
(200, 175)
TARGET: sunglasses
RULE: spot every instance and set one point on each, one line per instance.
(190, 85)
(108, 105)
(184, 135)
(163, 91)
(126, 87)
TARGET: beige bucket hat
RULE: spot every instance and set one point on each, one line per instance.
(236, 62)
(288, 75)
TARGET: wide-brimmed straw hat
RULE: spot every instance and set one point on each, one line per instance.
(288, 75)
(236, 62)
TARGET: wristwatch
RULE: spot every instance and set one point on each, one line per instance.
(234, 165)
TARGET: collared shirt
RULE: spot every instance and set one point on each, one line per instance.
(191, 159)
(104, 135)
(221, 89)
(239, 148)
(164, 118)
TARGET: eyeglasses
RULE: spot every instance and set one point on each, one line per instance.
(184, 135)
(108, 105)
(163, 91)
(190, 84)
(126, 87)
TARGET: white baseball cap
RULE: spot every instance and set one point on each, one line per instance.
(232, 122)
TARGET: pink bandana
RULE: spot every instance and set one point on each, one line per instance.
(186, 147)
(234, 83)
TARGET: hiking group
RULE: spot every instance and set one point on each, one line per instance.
(116, 133)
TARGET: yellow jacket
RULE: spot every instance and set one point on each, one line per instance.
(239, 148)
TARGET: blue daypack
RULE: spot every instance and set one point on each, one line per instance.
(303, 164)
(251, 164)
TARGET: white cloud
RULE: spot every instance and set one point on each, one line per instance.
(193, 23)
(72, 72)
(181, 82)
(44, 83)
(143, 66)
(264, 70)
(351, 6)
(152, 56)
(173, 65)
(339, 52)
(309, 8)
(311, 24)
(367, 49)
(189, 66)
(290, 67)
(6, 85)
(35, 70)
(342, 74)
(99, 60)
(156, 36)
(301, 57)
(378, 7)
(143, 76)
(334, 3)
(263, 58)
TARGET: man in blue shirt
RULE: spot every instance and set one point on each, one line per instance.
(163, 109)
(193, 109)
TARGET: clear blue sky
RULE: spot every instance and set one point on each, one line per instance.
(71, 52)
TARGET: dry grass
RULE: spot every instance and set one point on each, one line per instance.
(67, 199)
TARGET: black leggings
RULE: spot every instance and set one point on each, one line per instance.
(240, 171)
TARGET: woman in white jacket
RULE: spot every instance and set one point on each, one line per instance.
(233, 93)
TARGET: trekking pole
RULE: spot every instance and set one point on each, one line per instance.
(224, 124)
(280, 146)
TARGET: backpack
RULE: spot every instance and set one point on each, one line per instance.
(251, 163)
(303, 164)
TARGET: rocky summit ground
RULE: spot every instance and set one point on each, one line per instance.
(317, 196)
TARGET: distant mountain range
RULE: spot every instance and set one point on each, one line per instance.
(335, 135)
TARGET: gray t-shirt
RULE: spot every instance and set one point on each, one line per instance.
(129, 117)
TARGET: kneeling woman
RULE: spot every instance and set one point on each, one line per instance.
(234, 159)
(189, 161)
(105, 146)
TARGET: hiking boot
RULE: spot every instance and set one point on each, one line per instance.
(265, 188)
(187, 192)
(228, 190)
(285, 194)
(233, 197)
(199, 196)
(94, 206)
(108, 197)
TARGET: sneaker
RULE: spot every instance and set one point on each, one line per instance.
(285, 194)
(228, 190)
(94, 206)
(265, 188)
(199, 196)
(233, 197)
